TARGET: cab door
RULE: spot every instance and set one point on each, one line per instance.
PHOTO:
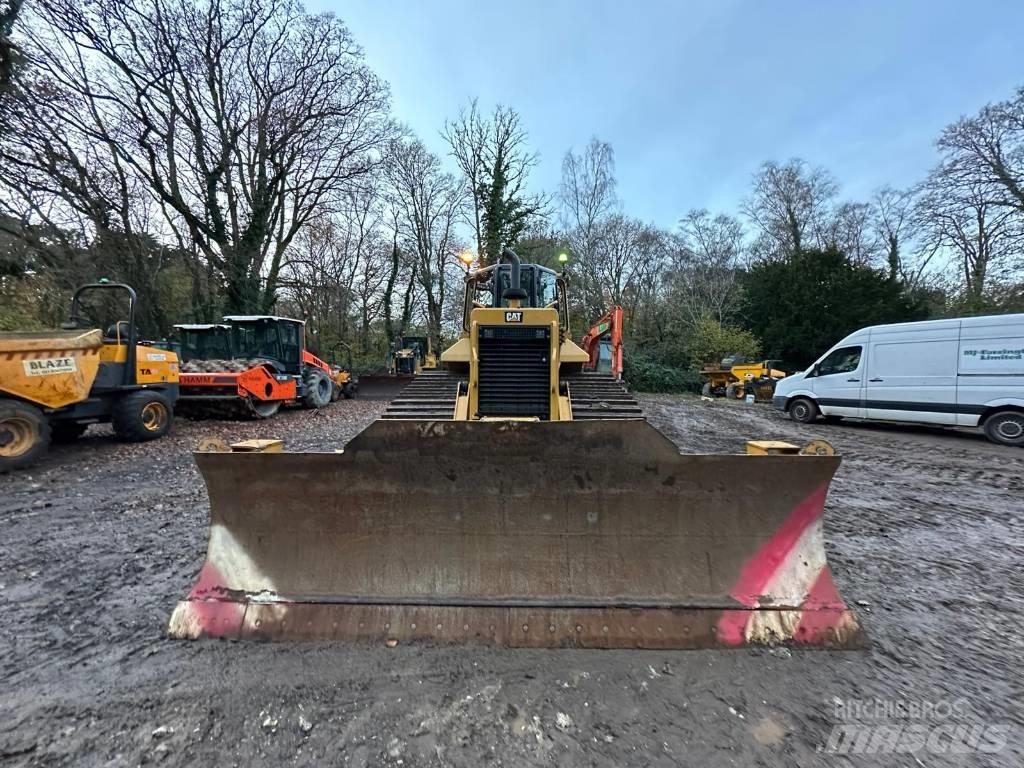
(912, 376)
(838, 382)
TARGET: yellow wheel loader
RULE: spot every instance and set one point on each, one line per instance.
(54, 384)
(513, 498)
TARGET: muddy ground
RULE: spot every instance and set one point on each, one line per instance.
(99, 541)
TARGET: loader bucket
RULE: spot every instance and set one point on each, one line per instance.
(544, 534)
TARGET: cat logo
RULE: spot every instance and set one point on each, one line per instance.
(513, 317)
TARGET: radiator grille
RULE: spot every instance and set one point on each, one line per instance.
(515, 371)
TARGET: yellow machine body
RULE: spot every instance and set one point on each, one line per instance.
(53, 384)
(50, 368)
(514, 499)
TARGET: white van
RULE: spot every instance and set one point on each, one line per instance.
(964, 372)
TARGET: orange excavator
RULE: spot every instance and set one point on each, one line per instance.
(603, 343)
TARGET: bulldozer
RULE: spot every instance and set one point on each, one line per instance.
(413, 355)
(512, 498)
(407, 358)
(54, 384)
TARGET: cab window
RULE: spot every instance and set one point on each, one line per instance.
(290, 345)
(548, 288)
(525, 282)
(842, 360)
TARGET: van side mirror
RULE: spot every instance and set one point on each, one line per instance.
(813, 371)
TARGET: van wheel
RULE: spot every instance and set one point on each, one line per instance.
(803, 410)
(1005, 428)
(24, 435)
(141, 415)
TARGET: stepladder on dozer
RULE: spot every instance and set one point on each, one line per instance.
(513, 498)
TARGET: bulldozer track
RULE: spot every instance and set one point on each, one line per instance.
(432, 396)
(599, 396)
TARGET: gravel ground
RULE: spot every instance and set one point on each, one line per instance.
(101, 539)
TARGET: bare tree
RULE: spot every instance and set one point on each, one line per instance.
(587, 195)
(428, 204)
(789, 206)
(243, 120)
(897, 227)
(9, 54)
(990, 146)
(495, 164)
(966, 218)
(703, 269)
(627, 256)
(587, 190)
(849, 229)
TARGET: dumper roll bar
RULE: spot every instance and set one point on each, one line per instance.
(76, 317)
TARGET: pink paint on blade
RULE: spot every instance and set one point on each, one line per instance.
(759, 570)
(218, 617)
(822, 611)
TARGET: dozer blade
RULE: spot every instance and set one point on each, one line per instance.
(545, 534)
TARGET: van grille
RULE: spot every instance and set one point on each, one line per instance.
(515, 371)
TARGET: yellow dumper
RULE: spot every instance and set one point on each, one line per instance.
(53, 384)
(736, 379)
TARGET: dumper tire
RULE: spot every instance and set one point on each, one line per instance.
(349, 390)
(67, 431)
(24, 435)
(141, 415)
(803, 410)
(1005, 428)
(318, 388)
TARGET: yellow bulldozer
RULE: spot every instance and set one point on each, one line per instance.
(54, 384)
(510, 497)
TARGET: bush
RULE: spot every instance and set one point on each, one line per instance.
(712, 341)
(645, 374)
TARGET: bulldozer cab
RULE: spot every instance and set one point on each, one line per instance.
(411, 355)
(279, 340)
(487, 287)
(418, 345)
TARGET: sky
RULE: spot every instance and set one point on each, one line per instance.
(694, 96)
